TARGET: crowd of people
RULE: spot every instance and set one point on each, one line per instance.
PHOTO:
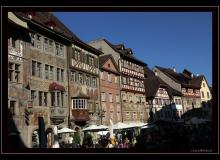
(162, 138)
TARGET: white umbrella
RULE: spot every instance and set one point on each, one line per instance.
(94, 128)
(120, 125)
(66, 130)
(102, 132)
(56, 144)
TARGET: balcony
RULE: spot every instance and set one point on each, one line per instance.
(58, 112)
(80, 114)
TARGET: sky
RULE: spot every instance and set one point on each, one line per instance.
(168, 39)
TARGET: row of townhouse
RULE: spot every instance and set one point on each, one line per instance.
(170, 94)
(55, 75)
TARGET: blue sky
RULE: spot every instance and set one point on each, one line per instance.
(167, 39)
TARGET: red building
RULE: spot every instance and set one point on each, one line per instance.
(110, 90)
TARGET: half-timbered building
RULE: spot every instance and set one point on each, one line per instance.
(131, 80)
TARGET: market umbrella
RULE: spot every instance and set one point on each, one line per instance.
(66, 130)
(120, 125)
(94, 128)
(102, 133)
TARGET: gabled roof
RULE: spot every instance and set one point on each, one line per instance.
(148, 72)
(152, 85)
(180, 78)
(123, 53)
(43, 18)
(104, 58)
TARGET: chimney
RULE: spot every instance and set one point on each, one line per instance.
(192, 75)
(174, 69)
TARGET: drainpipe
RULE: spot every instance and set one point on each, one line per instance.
(122, 120)
(68, 85)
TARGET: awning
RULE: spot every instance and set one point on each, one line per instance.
(54, 86)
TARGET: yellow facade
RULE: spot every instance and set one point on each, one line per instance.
(205, 91)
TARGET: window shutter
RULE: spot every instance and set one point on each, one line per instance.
(85, 58)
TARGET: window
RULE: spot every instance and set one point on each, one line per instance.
(208, 94)
(32, 39)
(51, 73)
(79, 103)
(39, 69)
(58, 98)
(12, 108)
(14, 72)
(11, 70)
(36, 69)
(46, 45)
(52, 98)
(59, 49)
(110, 97)
(40, 98)
(45, 98)
(62, 75)
(203, 84)
(94, 82)
(38, 42)
(117, 98)
(62, 99)
(35, 40)
(58, 74)
(103, 96)
(73, 76)
(109, 77)
(101, 75)
(91, 61)
(80, 78)
(127, 115)
(33, 96)
(87, 80)
(51, 46)
(46, 71)
(202, 94)
(134, 115)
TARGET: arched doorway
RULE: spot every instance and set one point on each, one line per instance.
(35, 139)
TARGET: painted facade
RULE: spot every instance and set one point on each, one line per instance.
(110, 90)
(84, 96)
